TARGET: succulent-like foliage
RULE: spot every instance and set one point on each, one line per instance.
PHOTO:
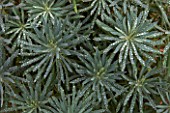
(99, 7)
(164, 104)
(167, 48)
(3, 5)
(84, 56)
(131, 36)
(47, 10)
(125, 3)
(18, 28)
(74, 103)
(5, 12)
(34, 96)
(2, 52)
(52, 49)
(141, 86)
(6, 71)
(98, 74)
(96, 9)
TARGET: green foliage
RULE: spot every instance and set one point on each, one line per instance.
(46, 9)
(74, 103)
(96, 8)
(18, 28)
(99, 74)
(6, 74)
(99, 7)
(52, 49)
(125, 3)
(3, 5)
(5, 12)
(130, 36)
(163, 106)
(141, 86)
(33, 99)
(84, 56)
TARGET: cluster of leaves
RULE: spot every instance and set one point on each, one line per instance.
(84, 56)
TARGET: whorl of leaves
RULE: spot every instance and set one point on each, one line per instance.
(52, 49)
(74, 103)
(141, 86)
(46, 10)
(34, 96)
(98, 74)
(131, 36)
(7, 76)
(84, 56)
